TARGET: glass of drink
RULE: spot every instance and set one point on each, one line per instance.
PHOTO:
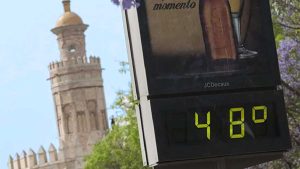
(236, 7)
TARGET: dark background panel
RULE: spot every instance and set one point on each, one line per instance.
(178, 139)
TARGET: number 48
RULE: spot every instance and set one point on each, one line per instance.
(240, 122)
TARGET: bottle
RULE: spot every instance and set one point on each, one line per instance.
(218, 30)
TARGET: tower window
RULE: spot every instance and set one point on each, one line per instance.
(81, 122)
(94, 121)
(67, 110)
(92, 108)
(72, 49)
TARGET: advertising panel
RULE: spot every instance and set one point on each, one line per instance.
(207, 45)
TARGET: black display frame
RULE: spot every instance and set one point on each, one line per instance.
(157, 94)
(177, 152)
(160, 85)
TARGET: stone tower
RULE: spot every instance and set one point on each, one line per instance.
(77, 89)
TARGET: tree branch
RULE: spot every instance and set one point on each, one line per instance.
(285, 84)
(289, 164)
(287, 26)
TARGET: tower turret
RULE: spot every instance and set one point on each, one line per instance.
(70, 34)
(10, 162)
(52, 153)
(42, 156)
(77, 89)
(23, 160)
(32, 161)
(17, 162)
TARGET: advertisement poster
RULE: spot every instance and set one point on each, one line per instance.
(208, 41)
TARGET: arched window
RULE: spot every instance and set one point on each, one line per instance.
(81, 122)
(72, 49)
(94, 121)
(67, 113)
(93, 115)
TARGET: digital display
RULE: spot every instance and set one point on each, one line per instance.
(221, 124)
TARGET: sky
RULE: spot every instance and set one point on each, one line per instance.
(27, 116)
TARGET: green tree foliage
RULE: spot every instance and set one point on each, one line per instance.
(120, 149)
(286, 19)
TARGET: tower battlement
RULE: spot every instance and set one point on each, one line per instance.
(93, 60)
(31, 159)
(81, 72)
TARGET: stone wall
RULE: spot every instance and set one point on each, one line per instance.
(39, 160)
